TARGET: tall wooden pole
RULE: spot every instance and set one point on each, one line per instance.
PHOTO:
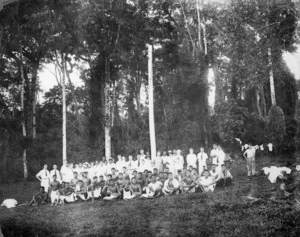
(151, 103)
(64, 111)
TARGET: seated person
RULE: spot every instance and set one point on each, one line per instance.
(188, 185)
(94, 189)
(155, 172)
(81, 191)
(171, 185)
(194, 174)
(205, 183)
(214, 172)
(40, 198)
(101, 182)
(166, 175)
(161, 177)
(135, 190)
(54, 191)
(114, 175)
(140, 180)
(125, 192)
(120, 182)
(112, 192)
(125, 173)
(66, 193)
(74, 180)
(224, 177)
(153, 189)
(134, 174)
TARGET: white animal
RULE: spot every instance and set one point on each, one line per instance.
(273, 172)
(9, 203)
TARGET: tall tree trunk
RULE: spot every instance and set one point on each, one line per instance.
(271, 76)
(151, 103)
(34, 97)
(107, 128)
(219, 93)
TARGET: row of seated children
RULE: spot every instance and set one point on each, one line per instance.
(126, 186)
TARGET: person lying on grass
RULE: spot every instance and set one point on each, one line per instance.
(54, 191)
(40, 198)
(112, 191)
(188, 185)
(153, 189)
(171, 186)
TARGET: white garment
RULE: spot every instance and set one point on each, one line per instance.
(174, 181)
(262, 147)
(57, 173)
(191, 160)
(54, 196)
(214, 175)
(202, 158)
(178, 162)
(63, 172)
(273, 172)
(45, 177)
(9, 203)
(221, 157)
(270, 147)
(207, 181)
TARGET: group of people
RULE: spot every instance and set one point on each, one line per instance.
(166, 174)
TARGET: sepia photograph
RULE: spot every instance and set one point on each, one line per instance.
(150, 118)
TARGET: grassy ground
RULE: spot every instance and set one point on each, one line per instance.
(223, 213)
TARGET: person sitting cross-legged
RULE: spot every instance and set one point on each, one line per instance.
(67, 193)
(153, 189)
(188, 185)
(40, 198)
(135, 189)
(224, 177)
(112, 192)
(205, 182)
(171, 185)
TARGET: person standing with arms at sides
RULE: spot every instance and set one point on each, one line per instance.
(141, 156)
(221, 156)
(158, 162)
(178, 161)
(191, 159)
(44, 177)
(214, 154)
(249, 155)
(56, 172)
(64, 171)
(202, 158)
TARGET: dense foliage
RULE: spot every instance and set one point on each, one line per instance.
(106, 41)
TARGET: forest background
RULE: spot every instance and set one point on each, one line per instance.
(241, 41)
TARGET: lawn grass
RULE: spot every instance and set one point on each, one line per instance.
(223, 213)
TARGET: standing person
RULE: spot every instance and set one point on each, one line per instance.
(54, 187)
(56, 172)
(202, 158)
(249, 155)
(64, 171)
(158, 162)
(178, 162)
(214, 154)
(221, 156)
(141, 156)
(164, 159)
(44, 177)
(191, 159)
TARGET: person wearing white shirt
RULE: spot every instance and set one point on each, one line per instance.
(63, 171)
(141, 156)
(224, 177)
(158, 162)
(56, 172)
(221, 156)
(119, 163)
(206, 182)
(202, 158)
(109, 166)
(171, 185)
(213, 172)
(249, 155)
(214, 154)
(178, 162)
(191, 159)
(44, 177)
(153, 189)
(164, 158)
